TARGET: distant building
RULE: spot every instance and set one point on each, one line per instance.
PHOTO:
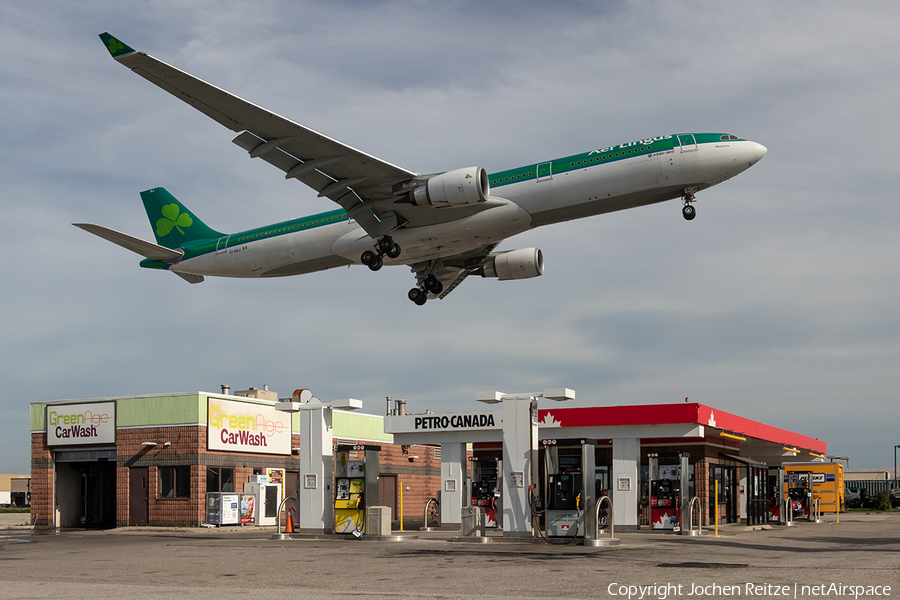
(15, 490)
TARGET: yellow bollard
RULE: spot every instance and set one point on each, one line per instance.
(401, 506)
(717, 508)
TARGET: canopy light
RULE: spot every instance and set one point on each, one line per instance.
(557, 394)
(731, 436)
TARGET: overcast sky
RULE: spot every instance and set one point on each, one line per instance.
(778, 303)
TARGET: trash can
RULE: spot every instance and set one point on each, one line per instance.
(378, 520)
(472, 521)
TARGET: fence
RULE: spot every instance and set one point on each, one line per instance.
(873, 487)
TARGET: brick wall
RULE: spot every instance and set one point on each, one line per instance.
(187, 450)
(41, 481)
(701, 490)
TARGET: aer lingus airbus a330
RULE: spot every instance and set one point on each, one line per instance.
(445, 226)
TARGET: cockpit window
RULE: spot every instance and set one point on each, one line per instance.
(729, 137)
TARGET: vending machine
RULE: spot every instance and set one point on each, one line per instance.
(356, 471)
(248, 509)
(268, 499)
(222, 508)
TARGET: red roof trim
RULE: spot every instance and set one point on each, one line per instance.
(662, 414)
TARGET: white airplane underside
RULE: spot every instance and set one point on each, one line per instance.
(444, 226)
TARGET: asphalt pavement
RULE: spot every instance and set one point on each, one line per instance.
(856, 558)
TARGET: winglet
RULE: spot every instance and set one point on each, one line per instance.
(116, 47)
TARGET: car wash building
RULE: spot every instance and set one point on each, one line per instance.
(151, 460)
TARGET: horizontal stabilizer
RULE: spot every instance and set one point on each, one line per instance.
(142, 247)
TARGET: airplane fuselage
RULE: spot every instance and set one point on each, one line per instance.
(605, 180)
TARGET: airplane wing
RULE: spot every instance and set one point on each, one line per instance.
(362, 184)
(137, 245)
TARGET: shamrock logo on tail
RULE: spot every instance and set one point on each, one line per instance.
(173, 218)
(115, 46)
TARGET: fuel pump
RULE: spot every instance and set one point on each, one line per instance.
(667, 491)
(486, 490)
(571, 487)
(800, 492)
(355, 480)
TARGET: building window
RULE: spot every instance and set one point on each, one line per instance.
(174, 482)
(219, 479)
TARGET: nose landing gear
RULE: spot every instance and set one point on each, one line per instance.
(384, 246)
(688, 211)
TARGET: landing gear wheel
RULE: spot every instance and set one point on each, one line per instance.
(418, 296)
(377, 264)
(688, 212)
(386, 244)
(368, 258)
(394, 252)
(433, 285)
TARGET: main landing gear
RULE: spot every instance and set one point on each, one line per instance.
(385, 246)
(688, 212)
(420, 294)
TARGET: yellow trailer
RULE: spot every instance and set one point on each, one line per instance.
(825, 480)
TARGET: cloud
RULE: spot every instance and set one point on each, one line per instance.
(776, 303)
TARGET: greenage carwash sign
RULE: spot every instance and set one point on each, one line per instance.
(78, 424)
(247, 427)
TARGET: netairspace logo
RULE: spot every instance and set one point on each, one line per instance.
(662, 591)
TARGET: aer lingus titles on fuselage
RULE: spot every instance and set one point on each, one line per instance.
(444, 226)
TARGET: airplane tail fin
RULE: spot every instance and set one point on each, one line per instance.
(173, 224)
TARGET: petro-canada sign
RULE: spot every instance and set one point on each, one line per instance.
(446, 422)
(79, 424)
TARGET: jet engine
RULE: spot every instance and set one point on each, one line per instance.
(515, 264)
(462, 187)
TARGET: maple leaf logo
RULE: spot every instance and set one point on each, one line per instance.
(115, 46)
(550, 421)
(173, 218)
